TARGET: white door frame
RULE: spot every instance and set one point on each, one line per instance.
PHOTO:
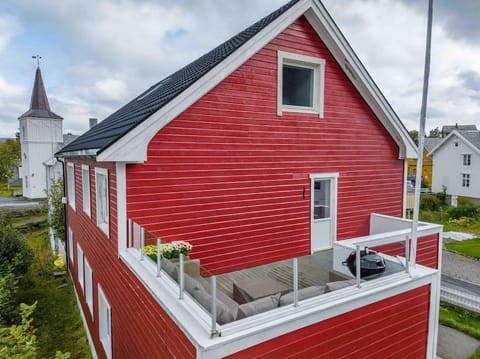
(333, 177)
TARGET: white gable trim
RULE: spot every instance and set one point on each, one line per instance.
(447, 139)
(132, 147)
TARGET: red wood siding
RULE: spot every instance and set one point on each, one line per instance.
(427, 250)
(140, 327)
(392, 328)
(229, 175)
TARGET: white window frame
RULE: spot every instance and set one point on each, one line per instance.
(89, 286)
(86, 189)
(318, 67)
(103, 224)
(467, 159)
(71, 184)
(80, 269)
(70, 245)
(104, 323)
(466, 179)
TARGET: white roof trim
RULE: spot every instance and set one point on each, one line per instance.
(132, 147)
(452, 134)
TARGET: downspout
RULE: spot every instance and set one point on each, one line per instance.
(421, 137)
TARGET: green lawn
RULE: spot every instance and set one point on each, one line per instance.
(442, 218)
(57, 316)
(460, 319)
(7, 192)
(468, 248)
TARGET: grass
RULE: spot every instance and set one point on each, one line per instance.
(7, 192)
(469, 248)
(460, 319)
(57, 316)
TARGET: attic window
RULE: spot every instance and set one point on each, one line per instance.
(456, 144)
(300, 83)
(154, 88)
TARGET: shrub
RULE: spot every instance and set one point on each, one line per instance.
(463, 211)
(429, 202)
(442, 196)
(462, 221)
(8, 303)
(465, 201)
(15, 256)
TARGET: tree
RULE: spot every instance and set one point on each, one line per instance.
(15, 255)
(414, 135)
(435, 133)
(56, 215)
(9, 159)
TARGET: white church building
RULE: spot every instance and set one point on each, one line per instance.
(41, 136)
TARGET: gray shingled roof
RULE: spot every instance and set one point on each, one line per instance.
(39, 106)
(150, 101)
(447, 129)
(473, 137)
(431, 142)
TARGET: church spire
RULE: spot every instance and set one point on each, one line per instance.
(39, 106)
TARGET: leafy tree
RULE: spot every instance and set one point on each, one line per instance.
(414, 135)
(8, 303)
(9, 158)
(435, 133)
(56, 217)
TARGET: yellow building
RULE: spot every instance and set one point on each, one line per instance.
(430, 144)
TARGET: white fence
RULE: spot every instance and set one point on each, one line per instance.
(461, 299)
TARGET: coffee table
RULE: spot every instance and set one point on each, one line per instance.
(248, 290)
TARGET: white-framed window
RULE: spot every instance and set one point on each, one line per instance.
(101, 196)
(89, 286)
(105, 323)
(465, 180)
(71, 184)
(301, 82)
(80, 267)
(86, 189)
(70, 245)
(467, 159)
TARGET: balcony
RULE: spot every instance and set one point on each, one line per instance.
(278, 297)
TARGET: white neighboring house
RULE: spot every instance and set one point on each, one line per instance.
(41, 136)
(456, 164)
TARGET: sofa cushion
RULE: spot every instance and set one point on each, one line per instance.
(170, 268)
(224, 314)
(190, 284)
(258, 306)
(331, 286)
(304, 293)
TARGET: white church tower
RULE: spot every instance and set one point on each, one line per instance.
(41, 136)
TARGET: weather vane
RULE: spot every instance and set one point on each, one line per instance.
(37, 57)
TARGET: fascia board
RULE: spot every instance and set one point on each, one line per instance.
(355, 71)
(132, 147)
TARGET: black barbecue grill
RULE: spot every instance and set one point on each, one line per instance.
(370, 263)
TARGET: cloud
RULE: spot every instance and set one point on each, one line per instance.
(9, 26)
(12, 105)
(111, 90)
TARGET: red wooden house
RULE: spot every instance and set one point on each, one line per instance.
(276, 157)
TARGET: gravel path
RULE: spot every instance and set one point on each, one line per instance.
(453, 344)
(460, 267)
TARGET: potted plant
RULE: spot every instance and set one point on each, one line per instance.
(172, 251)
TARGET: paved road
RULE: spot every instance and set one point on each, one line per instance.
(453, 344)
(460, 267)
(19, 202)
(461, 285)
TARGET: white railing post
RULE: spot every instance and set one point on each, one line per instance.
(180, 278)
(142, 243)
(295, 282)
(357, 265)
(159, 260)
(213, 308)
(130, 234)
(407, 254)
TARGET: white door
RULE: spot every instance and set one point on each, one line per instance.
(323, 211)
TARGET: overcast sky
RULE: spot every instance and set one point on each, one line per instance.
(97, 55)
